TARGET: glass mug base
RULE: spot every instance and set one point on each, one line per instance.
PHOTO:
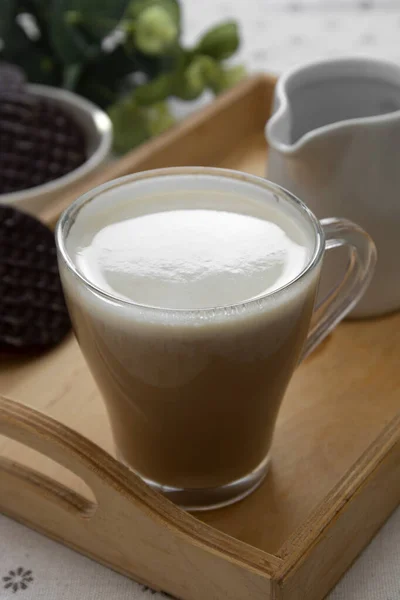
(201, 499)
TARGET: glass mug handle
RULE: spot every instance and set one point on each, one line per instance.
(343, 297)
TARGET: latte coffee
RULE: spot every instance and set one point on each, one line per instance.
(191, 304)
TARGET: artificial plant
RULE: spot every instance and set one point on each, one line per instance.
(124, 55)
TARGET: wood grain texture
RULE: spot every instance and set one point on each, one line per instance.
(344, 522)
(335, 470)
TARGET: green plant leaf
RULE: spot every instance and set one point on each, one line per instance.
(15, 45)
(220, 42)
(8, 11)
(154, 31)
(104, 79)
(135, 124)
(69, 44)
(41, 7)
(71, 76)
(35, 57)
(158, 118)
(40, 67)
(153, 66)
(229, 77)
(129, 127)
(156, 90)
(113, 66)
(99, 17)
(97, 91)
(40, 10)
(135, 7)
(200, 73)
(77, 27)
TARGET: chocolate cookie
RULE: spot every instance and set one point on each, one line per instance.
(33, 314)
(39, 141)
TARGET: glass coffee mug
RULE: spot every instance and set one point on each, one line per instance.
(193, 394)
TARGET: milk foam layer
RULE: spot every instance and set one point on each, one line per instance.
(187, 259)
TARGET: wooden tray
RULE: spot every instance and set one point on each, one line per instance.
(335, 475)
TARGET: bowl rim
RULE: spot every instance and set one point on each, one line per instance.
(103, 125)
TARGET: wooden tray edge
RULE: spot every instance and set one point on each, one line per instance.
(351, 482)
(296, 564)
(351, 502)
(98, 469)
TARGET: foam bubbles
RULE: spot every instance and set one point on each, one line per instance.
(192, 258)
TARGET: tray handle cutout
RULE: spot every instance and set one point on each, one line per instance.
(131, 529)
(15, 475)
(35, 430)
(99, 471)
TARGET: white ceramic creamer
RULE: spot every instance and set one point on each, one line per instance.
(334, 140)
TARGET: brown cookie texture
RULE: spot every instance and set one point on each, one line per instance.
(33, 313)
(39, 141)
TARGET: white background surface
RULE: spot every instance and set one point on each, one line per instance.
(277, 34)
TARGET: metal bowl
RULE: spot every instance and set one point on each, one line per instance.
(98, 132)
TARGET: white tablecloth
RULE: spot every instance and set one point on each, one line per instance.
(277, 34)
